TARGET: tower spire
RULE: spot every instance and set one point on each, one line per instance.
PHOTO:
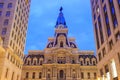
(61, 19)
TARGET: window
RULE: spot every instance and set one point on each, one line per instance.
(105, 9)
(82, 75)
(117, 36)
(88, 75)
(27, 74)
(4, 31)
(111, 44)
(106, 69)
(101, 72)
(119, 57)
(119, 2)
(61, 44)
(102, 1)
(0, 13)
(6, 74)
(112, 9)
(100, 28)
(40, 75)
(8, 13)
(94, 16)
(12, 76)
(95, 76)
(1, 5)
(99, 56)
(48, 76)
(61, 73)
(97, 39)
(6, 22)
(33, 76)
(94, 63)
(115, 22)
(103, 52)
(10, 5)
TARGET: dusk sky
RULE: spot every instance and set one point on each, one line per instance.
(43, 16)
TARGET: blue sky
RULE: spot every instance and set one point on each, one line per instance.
(43, 16)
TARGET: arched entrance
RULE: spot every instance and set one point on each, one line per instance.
(62, 75)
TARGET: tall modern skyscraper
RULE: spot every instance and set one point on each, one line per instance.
(106, 21)
(13, 27)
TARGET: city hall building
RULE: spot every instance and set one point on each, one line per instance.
(61, 59)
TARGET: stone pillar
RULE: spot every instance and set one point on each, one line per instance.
(54, 73)
(44, 74)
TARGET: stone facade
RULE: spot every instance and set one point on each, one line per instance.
(61, 59)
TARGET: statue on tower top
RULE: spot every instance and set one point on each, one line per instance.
(61, 8)
(61, 19)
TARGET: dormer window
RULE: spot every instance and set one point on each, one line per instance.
(61, 44)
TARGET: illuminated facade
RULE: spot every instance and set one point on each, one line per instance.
(61, 59)
(13, 27)
(106, 21)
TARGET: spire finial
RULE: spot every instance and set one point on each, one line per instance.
(61, 8)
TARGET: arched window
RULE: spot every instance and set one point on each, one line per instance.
(61, 44)
(28, 62)
(40, 62)
(61, 73)
(94, 63)
(34, 62)
(87, 62)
